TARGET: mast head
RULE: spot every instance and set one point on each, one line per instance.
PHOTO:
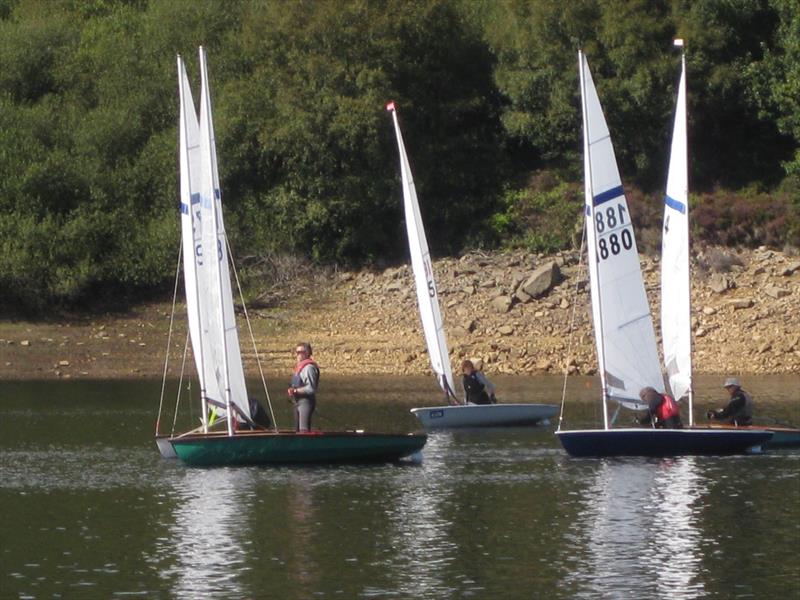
(390, 106)
(678, 42)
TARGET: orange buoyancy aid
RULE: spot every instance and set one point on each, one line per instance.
(668, 409)
(303, 364)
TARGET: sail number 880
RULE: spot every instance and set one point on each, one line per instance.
(612, 218)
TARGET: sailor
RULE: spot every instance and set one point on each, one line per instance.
(477, 389)
(739, 410)
(662, 410)
(303, 390)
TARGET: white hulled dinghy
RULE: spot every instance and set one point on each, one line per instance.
(456, 413)
(214, 336)
(624, 337)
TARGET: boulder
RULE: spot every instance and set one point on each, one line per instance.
(505, 330)
(791, 268)
(773, 291)
(720, 283)
(522, 296)
(502, 304)
(542, 280)
(741, 303)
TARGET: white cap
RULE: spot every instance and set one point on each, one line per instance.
(731, 381)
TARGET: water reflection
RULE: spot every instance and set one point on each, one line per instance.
(424, 547)
(301, 564)
(207, 533)
(637, 532)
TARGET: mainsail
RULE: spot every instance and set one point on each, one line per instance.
(675, 284)
(196, 277)
(623, 326)
(221, 338)
(427, 295)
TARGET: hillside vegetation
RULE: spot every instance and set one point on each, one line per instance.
(487, 93)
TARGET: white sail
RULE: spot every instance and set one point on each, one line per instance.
(222, 336)
(427, 295)
(675, 284)
(626, 343)
(196, 278)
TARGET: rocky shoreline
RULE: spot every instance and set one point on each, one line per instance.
(514, 312)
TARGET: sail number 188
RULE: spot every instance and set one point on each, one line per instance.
(607, 223)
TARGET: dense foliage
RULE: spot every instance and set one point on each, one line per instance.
(488, 97)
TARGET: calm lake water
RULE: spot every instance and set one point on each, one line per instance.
(90, 509)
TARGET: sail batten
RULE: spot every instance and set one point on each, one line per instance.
(623, 326)
(425, 284)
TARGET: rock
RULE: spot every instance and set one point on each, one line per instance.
(720, 283)
(477, 363)
(791, 268)
(394, 286)
(25, 343)
(470, 325)
(468, 290)
(700, 332)
(542, 280)
(522, 296)
(452, 303)
(505, 330)
(502, 304)
(765, 347)
(564, 303)
(740, 303)
(709, 310)
(458, 332)
(773, 291)
(489, 283)
(544, 365)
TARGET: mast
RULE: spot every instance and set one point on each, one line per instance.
(681, 44)
(592, 239)
(192, 256)
(217, 250)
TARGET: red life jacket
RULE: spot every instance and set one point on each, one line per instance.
(668, 409)
(303, 364)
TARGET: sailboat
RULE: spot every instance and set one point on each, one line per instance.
(676, 321)
(214, 336)
(456, 413)
(623, 326)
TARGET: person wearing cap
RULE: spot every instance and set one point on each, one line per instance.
(739, 410)
(303, 390)
(662, 410)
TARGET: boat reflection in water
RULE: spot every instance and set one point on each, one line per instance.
(207, 537)
(638, 534)
(421, 527)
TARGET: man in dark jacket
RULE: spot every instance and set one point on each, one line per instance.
(739, 410)
(662, 410)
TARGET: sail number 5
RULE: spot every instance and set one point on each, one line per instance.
(607, 223)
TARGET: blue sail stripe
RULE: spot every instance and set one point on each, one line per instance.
(184, 209)
(608, 195)
(675, 204)
(195, 198)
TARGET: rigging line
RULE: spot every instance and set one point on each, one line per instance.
(169, 337)
(252, 336)
(180, 384)
(578, 280)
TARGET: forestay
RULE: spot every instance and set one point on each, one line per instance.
(623, 326)
(675, 283)
(221, 339)
(427, 295)
(196, 277)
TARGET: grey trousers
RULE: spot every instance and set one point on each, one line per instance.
(303, 409)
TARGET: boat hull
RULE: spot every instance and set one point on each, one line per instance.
(782, 437)
(484, 415)
(661, 442)
(250, 448)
